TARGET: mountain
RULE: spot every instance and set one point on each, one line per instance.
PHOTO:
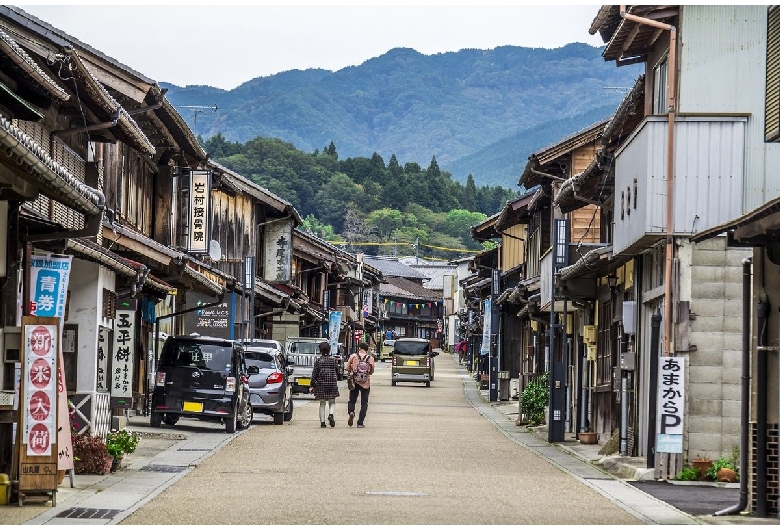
(469, 108)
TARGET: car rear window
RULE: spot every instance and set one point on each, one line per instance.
(305, 348)
(411, 348)
(214, 357)
(260, 358)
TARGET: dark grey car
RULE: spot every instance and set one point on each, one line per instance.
(270, 391)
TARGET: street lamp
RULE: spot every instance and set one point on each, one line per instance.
(612, 280)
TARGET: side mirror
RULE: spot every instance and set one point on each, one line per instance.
(253, 370)
(290, 361)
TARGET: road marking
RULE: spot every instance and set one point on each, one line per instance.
(399, 493)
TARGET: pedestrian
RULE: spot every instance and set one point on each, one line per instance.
(324, 383)
(361, 366)
(462, 348)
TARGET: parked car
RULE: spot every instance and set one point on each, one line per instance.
(201, 377)
(413, 361)
(303, 351)
(386, 352)
(270, 391)
(265, 343)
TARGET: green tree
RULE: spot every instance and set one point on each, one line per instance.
(386, 220)
(333, 198)
(469, 201)
(458, 223)
(313, 226)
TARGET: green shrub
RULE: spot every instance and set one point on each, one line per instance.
(720, 463)
(687, 473)
(535, 398)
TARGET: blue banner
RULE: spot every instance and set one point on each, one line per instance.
(486, 325)
(49, 277)
(334, 327)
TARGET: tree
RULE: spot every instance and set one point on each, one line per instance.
(333, 198)
(386, 220)
(313, 226)
(331, 150)
(469, 201)
(458, 223)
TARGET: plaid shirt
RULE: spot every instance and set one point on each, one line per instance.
(324, 378)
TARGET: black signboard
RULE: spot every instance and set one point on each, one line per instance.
(214, 321)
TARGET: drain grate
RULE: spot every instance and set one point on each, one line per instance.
(154, 468)
(88, 513)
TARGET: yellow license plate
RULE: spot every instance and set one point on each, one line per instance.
(411, 363)
(304, 382)
(189, 406)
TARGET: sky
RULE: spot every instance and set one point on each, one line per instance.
(225, 46)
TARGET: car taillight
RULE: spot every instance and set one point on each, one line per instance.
(428, 362)
(275, 377)
(160, 379)
(393, 360)
(244, 379)
(230, 384)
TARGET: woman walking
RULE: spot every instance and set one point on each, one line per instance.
(324, 383)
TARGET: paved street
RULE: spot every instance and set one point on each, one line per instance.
(426, 456)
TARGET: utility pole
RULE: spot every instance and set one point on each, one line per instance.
(197, 109)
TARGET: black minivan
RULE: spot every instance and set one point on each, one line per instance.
(201, 377)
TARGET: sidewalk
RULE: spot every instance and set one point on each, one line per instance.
(633, 484)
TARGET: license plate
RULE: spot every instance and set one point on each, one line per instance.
(304, 382)
(189, 406)
(411, 363)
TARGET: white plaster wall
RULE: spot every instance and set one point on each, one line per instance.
(86, 284)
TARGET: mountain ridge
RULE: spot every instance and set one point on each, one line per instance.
(456, 106)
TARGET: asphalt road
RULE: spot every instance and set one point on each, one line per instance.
(425, 457)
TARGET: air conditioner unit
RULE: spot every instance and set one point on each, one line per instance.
(590, 334)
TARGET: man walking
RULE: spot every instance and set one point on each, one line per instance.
(361, 366)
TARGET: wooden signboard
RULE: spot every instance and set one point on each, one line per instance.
(38, 397)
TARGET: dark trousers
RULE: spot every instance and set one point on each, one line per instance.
(353, 395)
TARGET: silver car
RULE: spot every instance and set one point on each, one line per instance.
(270, 391)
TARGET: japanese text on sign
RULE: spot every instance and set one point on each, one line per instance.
(671, 400)
(102, 359)
(200, 194)
(40, 389)
(278, 252)
(124, 352)
(49, 285)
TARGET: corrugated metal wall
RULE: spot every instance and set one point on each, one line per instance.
(723, 69)
(708, 187)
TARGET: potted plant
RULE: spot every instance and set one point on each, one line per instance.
(702, 464)
(120, 443)
(723, 470)
(90, 455)
(687, 473)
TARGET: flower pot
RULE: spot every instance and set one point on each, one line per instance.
(727, 475)
(107, 467)
(701, 465)
(589, 437)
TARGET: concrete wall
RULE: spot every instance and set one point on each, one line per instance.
(711, 279)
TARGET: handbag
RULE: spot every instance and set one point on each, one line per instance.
(351, 381)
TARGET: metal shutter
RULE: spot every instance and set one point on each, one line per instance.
(772, 111)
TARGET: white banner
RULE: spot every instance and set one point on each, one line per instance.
(124, 351)
(671, 405)
(278, 252)
(40, 388)
(334, 327)
(487, 319)
(103, 351)
(200, 196)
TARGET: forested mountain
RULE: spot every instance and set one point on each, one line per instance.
(479, 112)
(365, 200)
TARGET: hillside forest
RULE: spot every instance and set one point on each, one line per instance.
(372, 206)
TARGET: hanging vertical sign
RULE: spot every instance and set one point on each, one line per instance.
(199, 226)
(123, 356)
(37, 451)
(49, 277)
(671, 402)
(334, 327)
(103, 351)
(486, 328)
(278, 252)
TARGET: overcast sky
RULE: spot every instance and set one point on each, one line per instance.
(224, 46)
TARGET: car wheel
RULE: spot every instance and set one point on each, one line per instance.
(427, 384)
(155, 418)
(230, 424)
(288, 414)
(247, 417)
(170, 419)
(278, 418)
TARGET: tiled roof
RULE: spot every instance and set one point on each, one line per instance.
(407, 289)
(392, 268)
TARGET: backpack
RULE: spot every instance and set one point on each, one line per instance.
(361, 372)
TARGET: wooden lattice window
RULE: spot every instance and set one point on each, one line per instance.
(772, 108)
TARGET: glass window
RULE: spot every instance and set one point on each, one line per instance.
(214, 357)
